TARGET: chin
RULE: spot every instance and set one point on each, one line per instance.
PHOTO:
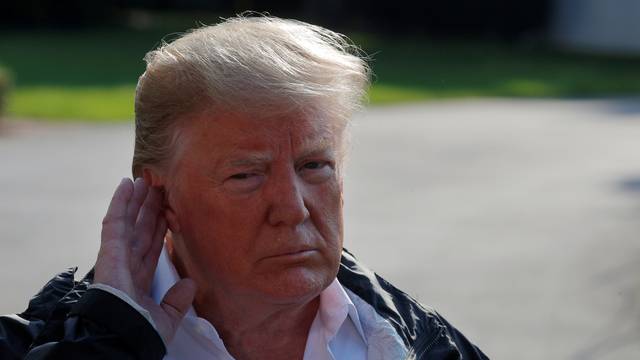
(296, 285)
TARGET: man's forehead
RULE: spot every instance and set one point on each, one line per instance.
(300, 144)
(242, 124)
(236, 134)
(245, 156)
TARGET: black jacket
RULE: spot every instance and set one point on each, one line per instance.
(65, 320)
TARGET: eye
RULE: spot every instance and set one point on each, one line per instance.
(241, 176)
(313, 165)
(316, 171)
(243, 182)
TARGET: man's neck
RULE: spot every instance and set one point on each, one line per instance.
(251, 328)
(260, 331)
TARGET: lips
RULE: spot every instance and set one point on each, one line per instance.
(298, 244)
(298, 252)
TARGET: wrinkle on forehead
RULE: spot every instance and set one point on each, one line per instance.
(308, 146)
(315, 134)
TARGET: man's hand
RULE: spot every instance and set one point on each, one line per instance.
(133, 233)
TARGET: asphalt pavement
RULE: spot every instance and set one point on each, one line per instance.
(518, 220)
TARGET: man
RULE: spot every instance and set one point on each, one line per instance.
(228, 245)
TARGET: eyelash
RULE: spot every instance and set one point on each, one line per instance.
(241, 176)
(320, 165)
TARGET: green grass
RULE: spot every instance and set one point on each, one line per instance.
(432, 70)
(5, 86)
(86, 75)
(91, 75)
(114, 103)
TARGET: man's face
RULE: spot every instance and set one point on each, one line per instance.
(259, 205)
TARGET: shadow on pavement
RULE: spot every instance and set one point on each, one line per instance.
(624, 106)
(631, 184)
(623, 328)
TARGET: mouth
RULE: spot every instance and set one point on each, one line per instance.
(298, 254)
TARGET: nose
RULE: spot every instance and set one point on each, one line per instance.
(287, 203)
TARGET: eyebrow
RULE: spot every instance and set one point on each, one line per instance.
(249, 160)
(309, 147)
(314, 146)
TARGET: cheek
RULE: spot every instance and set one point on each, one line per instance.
(326, 213)
(216, 224)
(214, 242)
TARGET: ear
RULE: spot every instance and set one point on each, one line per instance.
(154, 179)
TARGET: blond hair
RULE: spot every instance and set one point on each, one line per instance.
(258, 65)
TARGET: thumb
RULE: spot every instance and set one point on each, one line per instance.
(178, 299)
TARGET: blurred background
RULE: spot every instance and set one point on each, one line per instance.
(495, 174)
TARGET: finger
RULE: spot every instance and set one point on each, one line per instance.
(151, 257)
(147, 222)
(150, 261)
(137, 198)
(177, 301)
(114, 221)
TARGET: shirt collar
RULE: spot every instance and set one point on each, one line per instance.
(164, 278)
(335, 307)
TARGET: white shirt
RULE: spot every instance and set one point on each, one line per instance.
(336, 332)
